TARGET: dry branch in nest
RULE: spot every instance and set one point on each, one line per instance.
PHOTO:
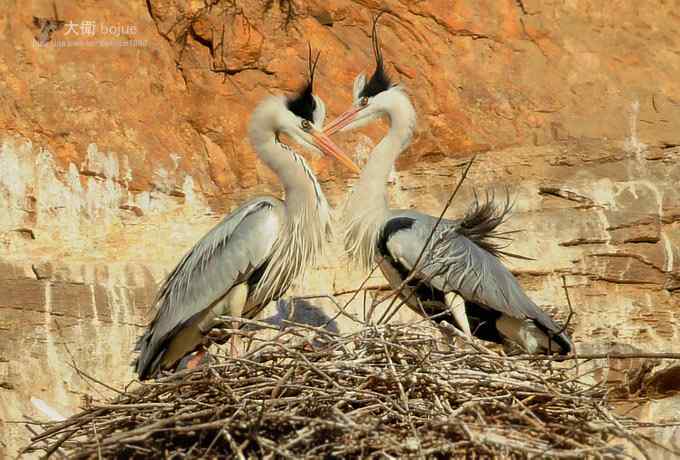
(395, 391)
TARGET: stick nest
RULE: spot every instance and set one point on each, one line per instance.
(386, 391)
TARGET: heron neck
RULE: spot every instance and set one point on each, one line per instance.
(307, 222)
(368, 206)
(371, 189)
(302, 190)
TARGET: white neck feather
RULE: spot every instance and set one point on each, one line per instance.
(367, 207)
(307, 212)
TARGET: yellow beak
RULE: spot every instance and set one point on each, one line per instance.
(328, 147)
(342, 121)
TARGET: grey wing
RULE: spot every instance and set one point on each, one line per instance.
(454, 263)
(303, 313)
(227, 255)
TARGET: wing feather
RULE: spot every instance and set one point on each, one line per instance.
(454, 263)
(227, 255)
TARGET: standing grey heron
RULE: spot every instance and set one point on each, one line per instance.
(460, 277)
(253, 255)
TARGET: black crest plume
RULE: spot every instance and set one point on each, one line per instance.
(303, 104)
(379, 81)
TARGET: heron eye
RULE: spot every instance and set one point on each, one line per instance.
(363, 102)
(306, 125)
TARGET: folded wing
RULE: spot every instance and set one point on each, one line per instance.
(472, 269)
(225, 257)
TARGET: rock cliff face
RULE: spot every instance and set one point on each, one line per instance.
(122, 141)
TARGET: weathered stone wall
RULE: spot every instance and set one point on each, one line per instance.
(114, 160)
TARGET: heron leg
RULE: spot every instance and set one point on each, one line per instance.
(231, 305)
(457, 306)
(235, 344)
(238, 297)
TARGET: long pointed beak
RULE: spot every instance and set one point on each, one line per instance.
(327, 146)
(342, 121)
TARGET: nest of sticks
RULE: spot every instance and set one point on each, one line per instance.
(386, 391)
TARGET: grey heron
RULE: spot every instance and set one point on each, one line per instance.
(302, 312)
(253, 255)
(299, 311)
(462, 280)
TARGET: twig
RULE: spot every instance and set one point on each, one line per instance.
(369, 316)
(559, 358)
(380, 287)
(363, 396)
(96, 438)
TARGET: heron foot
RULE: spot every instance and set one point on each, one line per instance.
(195, 361)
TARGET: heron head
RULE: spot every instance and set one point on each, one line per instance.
(303, 117)
(370, 99)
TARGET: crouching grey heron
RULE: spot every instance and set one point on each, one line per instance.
(298, 311)
(462, 280)
(253, 255)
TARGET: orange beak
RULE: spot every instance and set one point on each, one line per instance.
(327, 146)
(342, 121)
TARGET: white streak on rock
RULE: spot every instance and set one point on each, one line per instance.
(603, 193)
(162, 180)
(13, 177)
(188, 189)
(16, 177)
(632, 143)
(127, 172)
(668, 250)
(81, 200)
(48, 411)
(175, 160)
